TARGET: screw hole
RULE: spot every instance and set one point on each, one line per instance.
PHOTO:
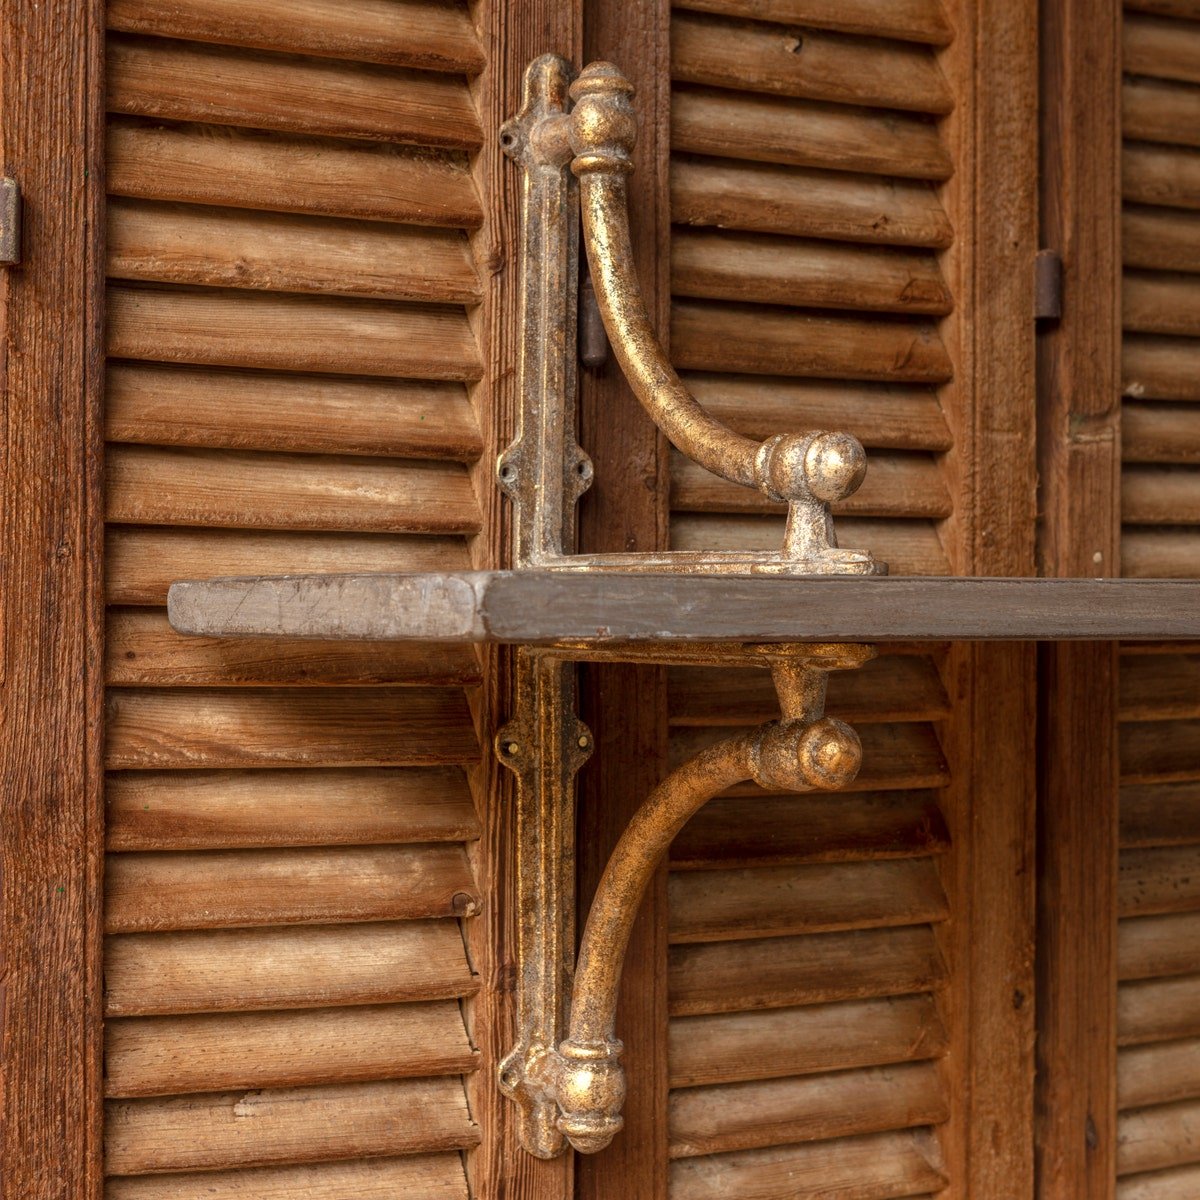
(508, 140)
(583, 468)
(508, 473)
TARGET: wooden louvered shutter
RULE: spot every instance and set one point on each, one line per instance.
(1158, 895)
(290, 257)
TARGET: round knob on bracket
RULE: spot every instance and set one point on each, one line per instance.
(795, 756)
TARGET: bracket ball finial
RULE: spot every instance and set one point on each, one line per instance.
(603, 128)
(824, 466)
(792, 756)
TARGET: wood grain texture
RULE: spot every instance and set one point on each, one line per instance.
(290, 1125)
(766, 198)
(165, 1056)
(1155, 946)
(1155, 111)
(416, 1177)
(312, 966)
(906, 20)
(163, 405)
(200, 164)
(1153, 1139)
(726, 1048)
(1165, 175)
(299, 333)
(214, 810)
(50, 615)
(1160, 433)
(1158, 1074)
(1160, 303)
(1163, 814)
(187, 81)
(1162, 48)
(1160, 238)
(816, 66)
(1158, 1010)
(414, 33)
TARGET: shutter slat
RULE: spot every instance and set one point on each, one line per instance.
(814, 969)
(258, 410)
(1154, 111)
(1161, 303)
(1168, 433)
(160, 1056)
(150, 77)
(1160, 238)
(897, 485)
(761, 340)
(804, 133)
(1165, 814)
(1166, 49)
(1160, 495)
(773, 830)
(732, 1047)
(1164, 175)
(235, 248)
(775, 270)
(877, 1167)
(1150, 947)
(141, 564)
(288, 727)
(413, 33)
(1160, 751)
(1180, 1184)
(222, 889)
(776, 901)
(1160, 368)
(1158, 1074)
(214, 810)
(1160, 553)
(230, 488)
(292, 1125)
(880, 415)
(907, 20)
(241, 970)
(302, 333)
(418, 1177)
(1160, 880)
(212, 164)
(1158, 1010)
(765, 198)
(1157, 687)
(817, 66)
(1152, 1139)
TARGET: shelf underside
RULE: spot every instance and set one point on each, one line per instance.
(536, 607)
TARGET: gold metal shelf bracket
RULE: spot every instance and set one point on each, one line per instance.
(565, 1071)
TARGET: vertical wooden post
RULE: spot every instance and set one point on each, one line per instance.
(1079, 460)
(51, 807)
(626, 706)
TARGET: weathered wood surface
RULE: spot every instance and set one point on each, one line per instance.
(537, 607)
(905, 20)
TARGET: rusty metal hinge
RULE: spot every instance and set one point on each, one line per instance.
(1047, 285)
(10, 223)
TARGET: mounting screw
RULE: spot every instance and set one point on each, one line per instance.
(584, 741)
(512, 747)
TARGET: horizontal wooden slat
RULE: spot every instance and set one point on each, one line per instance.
(908, 547)
(774, 901)
(1158, 1074)
(804, 133)
(153, 485)
(163, 1056)
(747, 1116)
(765, 830)
(1160, 751)
(905, 20)
(1161, 368)
(187, 81)
(895, 756)
(1161, 814)
(897, 485)
(777, 270)
(1166, 49)
(1157, 687)
(877, 1167)
(414, 33)
(1168, 433)
(881, 416)
(241, 970)
(765, 198)
(813, 969)
(416, 1177)
(236, 248)
(1150, 947)
(1154, 111)
(301, 333)
(1179, 1184)
(291, 1125)
(1160, 553)
(211, 164)
(814, 65)
(1159, 880)
(1161, 239)
(1154, 495)
(1158, 1010)
(269, 727)
(260, 410)
(228, 888)
(1167, 175)
(142, 563)
(1161, 303)
(1189, 9)
(141, 648)
(729, 1047)
(214, 810)
(1152, 1139)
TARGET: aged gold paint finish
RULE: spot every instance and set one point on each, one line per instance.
(565, 1071)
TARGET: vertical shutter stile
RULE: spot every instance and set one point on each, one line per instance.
(290, 347)
(1158, 1156)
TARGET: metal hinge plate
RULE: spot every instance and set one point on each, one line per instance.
(1047, 286)
(10, 223)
